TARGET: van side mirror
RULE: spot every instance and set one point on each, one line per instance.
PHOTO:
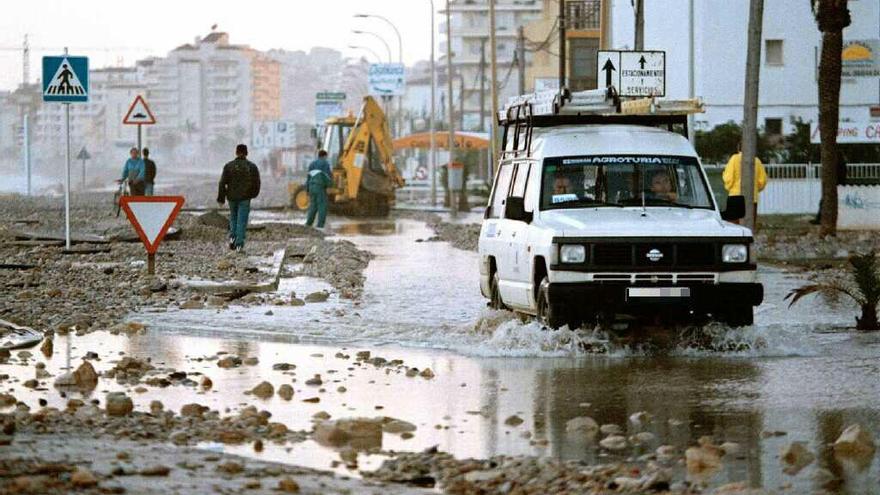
(515, 209)
(736, 208)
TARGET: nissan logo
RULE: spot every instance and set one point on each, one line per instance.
(654, 255)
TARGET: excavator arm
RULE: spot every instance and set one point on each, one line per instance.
(370, 133)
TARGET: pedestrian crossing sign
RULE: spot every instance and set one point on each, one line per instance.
(66, 79)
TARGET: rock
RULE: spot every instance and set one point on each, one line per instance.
(216, 301)
(230, 436)
(610, 429)
(295, 301)
(158, 286)
(397, 426)
(118, 404)
(31, 383)
(7, 400)
(230, 467)
(224, 264)
(796, 456)
(251, 361)
(158, 470)
(83, 478)
(639, 420)
(359, 433)
(264, 390)
(214, 219)
(362, 355)
(283, 366)
(206, 383)
(315, 381)
(229, 362)
(193, 410)
(613, 442)
(192, 305)
(317, 297)
(156, 407)
(855, 441)
(582, 425)
(285, 391)
(701, 460)
(427, 373)
(321, 415)
(287, 485)
(642, 438)
(513, 421)
(85, 378)
(48, 347)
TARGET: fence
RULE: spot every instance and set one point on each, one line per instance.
(794, 188)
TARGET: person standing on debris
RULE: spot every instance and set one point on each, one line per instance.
(732, 177)
(319, 179)
(149, 173)
(134, 173)
(239, 184)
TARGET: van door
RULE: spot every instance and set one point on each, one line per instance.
(495, 231)
(519, 284)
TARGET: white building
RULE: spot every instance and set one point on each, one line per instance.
(789, 57)
(470, 34)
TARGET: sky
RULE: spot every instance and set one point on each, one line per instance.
(114, 31)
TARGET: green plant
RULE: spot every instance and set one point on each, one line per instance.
(862, 286)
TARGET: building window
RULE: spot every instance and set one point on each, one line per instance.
(773, 49)
(773, 127)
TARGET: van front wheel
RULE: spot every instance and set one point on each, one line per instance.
(550, 314)
(495, 301)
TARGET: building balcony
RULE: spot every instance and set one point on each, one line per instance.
(583, 15)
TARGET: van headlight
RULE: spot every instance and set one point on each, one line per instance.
(734, 253)
(572, 253)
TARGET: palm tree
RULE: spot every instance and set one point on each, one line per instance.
(831, 16)
(862, 286)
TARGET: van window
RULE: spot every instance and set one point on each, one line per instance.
(623, 180)
(499, 193)
(519, 182)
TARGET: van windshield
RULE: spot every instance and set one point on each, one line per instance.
(623, 180)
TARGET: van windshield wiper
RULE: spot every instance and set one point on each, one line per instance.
(668, 202)
(586, 202)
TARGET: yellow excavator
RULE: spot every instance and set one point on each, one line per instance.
(359, 150)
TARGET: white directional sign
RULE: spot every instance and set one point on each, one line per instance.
(632, 73)
(139, 113)
(387, 79)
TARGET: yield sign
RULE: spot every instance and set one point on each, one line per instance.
(139, 113)
(151, 217)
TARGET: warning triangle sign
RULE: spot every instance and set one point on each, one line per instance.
(139, 113)
(151, 217)
(65, 81)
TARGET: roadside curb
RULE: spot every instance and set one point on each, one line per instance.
(268, 285)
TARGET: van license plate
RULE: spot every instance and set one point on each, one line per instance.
(635, 292)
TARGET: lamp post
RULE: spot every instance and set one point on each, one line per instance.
(433, 157)
(370, 33)
(366, 49)
(399, 59)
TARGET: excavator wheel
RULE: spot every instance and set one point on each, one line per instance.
(299, 200)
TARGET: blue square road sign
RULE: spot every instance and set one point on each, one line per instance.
(66, 79)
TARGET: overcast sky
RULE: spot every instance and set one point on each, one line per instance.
(107, 30)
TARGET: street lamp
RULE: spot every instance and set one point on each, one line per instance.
(370, 33)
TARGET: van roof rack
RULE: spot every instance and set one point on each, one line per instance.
(598, 106)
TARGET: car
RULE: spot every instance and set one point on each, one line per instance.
(592, 217)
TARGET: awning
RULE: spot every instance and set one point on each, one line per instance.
(463, 140)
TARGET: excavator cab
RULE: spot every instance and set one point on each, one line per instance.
(360, 151)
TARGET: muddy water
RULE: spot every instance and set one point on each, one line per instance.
(795, 372)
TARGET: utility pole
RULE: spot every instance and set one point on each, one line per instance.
(493, 57)
(483, 84)
(451, 141)
(750, 110)
(433, 152)
(691, 83)
(521, 59)
(639, 6)
(561, 44)
(25, 61)
(27, 149)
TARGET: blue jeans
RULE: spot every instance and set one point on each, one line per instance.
(238, 219)
(148, 189)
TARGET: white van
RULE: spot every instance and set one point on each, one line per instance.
(593, 216)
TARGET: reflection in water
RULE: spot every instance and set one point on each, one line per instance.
(370, 228)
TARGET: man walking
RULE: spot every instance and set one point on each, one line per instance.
(319, 179)
(133, 172)
(239, 184)
(149, 173)
(732, 177)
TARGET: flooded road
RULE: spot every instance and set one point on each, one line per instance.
(797, 375)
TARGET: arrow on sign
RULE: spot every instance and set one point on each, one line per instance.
(642, 62)
(608, 67)
(151, 217)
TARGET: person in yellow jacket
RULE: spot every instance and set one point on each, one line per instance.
(732, 177)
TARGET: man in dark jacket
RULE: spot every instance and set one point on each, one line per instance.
(149, 173)
(239, 184)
